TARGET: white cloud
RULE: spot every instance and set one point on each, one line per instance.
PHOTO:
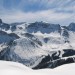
(47, 16)
(63, 16)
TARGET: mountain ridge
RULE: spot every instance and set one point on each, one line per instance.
(37, 45)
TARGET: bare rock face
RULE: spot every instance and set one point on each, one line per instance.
(4, 26)
(0, 21)
(71, 27)
(43, 27)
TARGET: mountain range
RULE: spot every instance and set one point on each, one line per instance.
(37, 45)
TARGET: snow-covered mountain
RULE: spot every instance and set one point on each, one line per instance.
(37, 45)
(43, 27)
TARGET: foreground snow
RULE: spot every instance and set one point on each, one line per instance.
(12, 68)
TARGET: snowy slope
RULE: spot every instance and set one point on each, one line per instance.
(25, 51)
(62, 70)
(7, 68)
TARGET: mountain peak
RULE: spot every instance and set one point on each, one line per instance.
(0, 20)
(72, 26)
(43, 27)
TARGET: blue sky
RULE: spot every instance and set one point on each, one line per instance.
(52, 11)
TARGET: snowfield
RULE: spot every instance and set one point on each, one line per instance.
(12, 68)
